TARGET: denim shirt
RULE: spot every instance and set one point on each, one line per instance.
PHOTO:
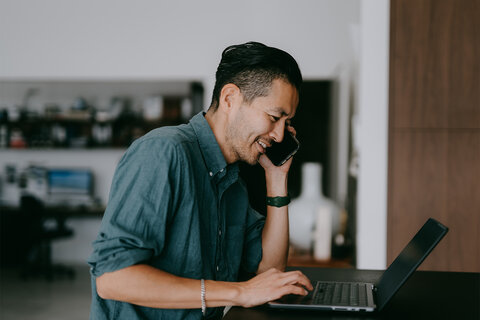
(176, 205)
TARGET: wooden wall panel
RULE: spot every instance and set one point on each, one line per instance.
(437, 174)
(434, 55)
(434, 128)
(463, 200)
(420, 189)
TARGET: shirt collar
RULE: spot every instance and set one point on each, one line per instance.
(211, 152)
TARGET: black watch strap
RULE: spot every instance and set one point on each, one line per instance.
(278, 201)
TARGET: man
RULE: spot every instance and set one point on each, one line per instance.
(178, 227)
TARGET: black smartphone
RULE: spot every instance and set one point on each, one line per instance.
(279, 153)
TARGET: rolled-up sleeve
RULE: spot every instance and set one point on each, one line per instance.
(139, 208)
(252, 254)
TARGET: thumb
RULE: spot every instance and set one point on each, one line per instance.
(265, 161)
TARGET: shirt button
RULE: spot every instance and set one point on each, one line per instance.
(210, 173)
(221, 170)
(219, 232)
(218, 268)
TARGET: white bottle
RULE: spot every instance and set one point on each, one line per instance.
(322, 236)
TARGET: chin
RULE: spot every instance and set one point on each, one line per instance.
(255, 160)
(249, 155)
(251, 160)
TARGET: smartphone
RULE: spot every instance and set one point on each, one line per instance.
(279, 153)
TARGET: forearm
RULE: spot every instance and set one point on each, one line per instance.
(150, 287)
(147, 286)
(275, 232)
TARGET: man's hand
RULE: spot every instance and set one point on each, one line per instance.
(269, 167)
(272, 285)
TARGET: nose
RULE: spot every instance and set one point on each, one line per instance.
(277, 132)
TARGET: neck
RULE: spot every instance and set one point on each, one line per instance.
(218, 123)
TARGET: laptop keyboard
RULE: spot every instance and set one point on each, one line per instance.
(339, 294)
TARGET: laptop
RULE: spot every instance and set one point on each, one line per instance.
(369, 297)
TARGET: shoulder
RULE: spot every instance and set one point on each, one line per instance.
(163, 143)
(179, 134)
(166, 139)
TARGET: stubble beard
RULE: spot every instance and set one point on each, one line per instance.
(242, 152)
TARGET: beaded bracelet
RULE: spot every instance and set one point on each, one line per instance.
(202, 296)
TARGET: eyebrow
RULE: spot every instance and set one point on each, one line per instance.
(279, 110)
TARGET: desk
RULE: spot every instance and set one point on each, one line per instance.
(14, 243)
(61, 211)
(426, 295)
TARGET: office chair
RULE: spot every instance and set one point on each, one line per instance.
(38, 258)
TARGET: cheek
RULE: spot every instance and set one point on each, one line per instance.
(264, 127)
(261, 124)
(254, 125)
(256, 130)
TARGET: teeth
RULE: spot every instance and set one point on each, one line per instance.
(262, 144)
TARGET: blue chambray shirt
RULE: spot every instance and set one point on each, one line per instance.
(176, 205)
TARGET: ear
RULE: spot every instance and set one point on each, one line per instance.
(230, 96)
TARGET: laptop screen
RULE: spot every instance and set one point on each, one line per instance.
(409, 259)
(70, 181)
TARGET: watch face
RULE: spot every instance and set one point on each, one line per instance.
(279, 153)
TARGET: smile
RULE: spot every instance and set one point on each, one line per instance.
(263, 146)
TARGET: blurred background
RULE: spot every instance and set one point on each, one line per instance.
(389, 115)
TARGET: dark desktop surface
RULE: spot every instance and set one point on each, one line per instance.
(15, 239)
(426, 295)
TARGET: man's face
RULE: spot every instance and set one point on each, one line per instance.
(257, 125)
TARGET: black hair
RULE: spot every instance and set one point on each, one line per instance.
(252, 67)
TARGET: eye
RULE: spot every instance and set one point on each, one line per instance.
(274, 119)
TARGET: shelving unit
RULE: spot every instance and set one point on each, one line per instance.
(89, 114)
(57, 123)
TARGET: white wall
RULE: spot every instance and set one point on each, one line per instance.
(165, 39)
(175, 40)
(372, 112)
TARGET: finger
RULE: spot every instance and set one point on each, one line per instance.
(293, 289)
(297, 273)
(292, 130)
(288, 163)
(297, 277)
(264, 161)
(304, 281)
(286, 290)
